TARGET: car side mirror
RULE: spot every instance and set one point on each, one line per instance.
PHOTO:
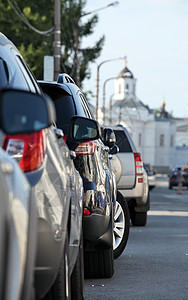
(23, 111)
(82, 130)
(114, 150)
(109, 137)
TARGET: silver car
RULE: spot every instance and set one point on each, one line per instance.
(56, 186)
(17, 232)
(132, 179)
(18, 223)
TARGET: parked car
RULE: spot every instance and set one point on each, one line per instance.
(18, 218)
(92, 162)
(173, 182)
(151, 175)
(132, 180)
(121, 211)
(57, 187)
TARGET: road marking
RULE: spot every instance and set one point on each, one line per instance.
(167, 213)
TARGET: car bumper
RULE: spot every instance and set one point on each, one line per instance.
(152, 182)
(139, 193)
(98, 231)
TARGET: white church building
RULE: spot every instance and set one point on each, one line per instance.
(161, 139)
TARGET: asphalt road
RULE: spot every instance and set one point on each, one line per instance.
(154, 265)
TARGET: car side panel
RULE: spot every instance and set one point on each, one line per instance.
(135, 188)
(76, 211)
(4, 213)
(16, 224)
(52, 194)
(93, 168)
(127, 179)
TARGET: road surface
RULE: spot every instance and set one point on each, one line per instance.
(154, 265)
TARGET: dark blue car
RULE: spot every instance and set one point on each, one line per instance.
(98, 180)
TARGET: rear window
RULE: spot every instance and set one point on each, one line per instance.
(64, 105)
(122, 141)
(65, 110)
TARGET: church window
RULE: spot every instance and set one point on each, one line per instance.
(162, 140)
(140, 139)
(171, 141)
(119, 88)
(127, 87)
(134, 88)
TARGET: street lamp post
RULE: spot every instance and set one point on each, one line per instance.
(57, 38)
(97, 90)
(104, 95)
(76, 40)
(110, 108)
(75, 35)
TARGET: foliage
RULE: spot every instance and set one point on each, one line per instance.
(73, 15)
(34, 46)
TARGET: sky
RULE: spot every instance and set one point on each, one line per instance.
(152, 34)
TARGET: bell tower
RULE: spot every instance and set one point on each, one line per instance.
(125, 85)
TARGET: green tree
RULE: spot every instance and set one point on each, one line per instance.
(75, 58)
(33, 46)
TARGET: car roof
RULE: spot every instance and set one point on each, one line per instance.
(69, 87)
(4, 40)
(55, 84)
(115, 126)
(16, 73)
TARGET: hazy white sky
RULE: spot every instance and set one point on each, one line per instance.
(153, 35)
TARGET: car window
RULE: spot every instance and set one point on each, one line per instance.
(122, 141)
(31, 76)
(25, 74)
(13, 76)
(4, 74)
(80, 109)
(65, 110)
(2, 138)
(85, 106)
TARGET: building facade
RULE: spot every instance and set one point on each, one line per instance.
(161, 139)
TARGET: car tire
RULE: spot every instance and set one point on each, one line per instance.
(170, 187)
(77, 276)
(121, 225)
(138, 218)
(99, 264)
(61, 289)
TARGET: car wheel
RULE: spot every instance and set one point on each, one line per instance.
(139, 218)
(121, 225)
(99, 264)
(77, 277)
(170, 187)
(60, 290)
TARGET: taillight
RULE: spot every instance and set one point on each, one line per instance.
(65, 138)
(140, 179)
(85, 148)
(138, 164)
(27, 149)
(86, 212)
